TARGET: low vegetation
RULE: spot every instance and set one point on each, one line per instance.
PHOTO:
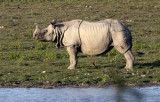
(25, 62)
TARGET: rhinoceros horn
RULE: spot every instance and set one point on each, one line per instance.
(37, 28)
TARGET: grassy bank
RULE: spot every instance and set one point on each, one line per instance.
(28, 63)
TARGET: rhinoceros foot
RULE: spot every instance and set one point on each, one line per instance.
(128, 68)
(71, 67)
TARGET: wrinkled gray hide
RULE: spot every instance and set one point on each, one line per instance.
(92, 38)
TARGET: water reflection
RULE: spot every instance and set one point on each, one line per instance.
(125, 94)
(110, 94)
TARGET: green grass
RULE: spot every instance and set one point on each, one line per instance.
(28, 63)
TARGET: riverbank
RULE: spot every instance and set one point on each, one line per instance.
(25, 62)
(82, 85)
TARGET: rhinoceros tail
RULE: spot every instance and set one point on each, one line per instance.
(121, 35)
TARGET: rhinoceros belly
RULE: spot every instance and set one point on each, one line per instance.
(95, 38)
(94, 50)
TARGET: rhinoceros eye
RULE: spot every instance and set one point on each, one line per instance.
(50, 34)
(44, 31)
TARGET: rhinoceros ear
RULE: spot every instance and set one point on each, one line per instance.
(53, 22)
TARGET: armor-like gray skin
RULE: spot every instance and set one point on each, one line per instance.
(92, 38)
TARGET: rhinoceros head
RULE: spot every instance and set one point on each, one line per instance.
(46, 34)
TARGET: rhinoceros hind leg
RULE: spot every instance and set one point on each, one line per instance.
(129, 59)
(73, 57)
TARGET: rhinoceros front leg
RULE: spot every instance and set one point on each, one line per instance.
(129, 59)
(73, 57)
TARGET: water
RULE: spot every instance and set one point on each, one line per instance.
(110, 94)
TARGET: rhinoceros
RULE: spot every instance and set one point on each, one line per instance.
(92, 38)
